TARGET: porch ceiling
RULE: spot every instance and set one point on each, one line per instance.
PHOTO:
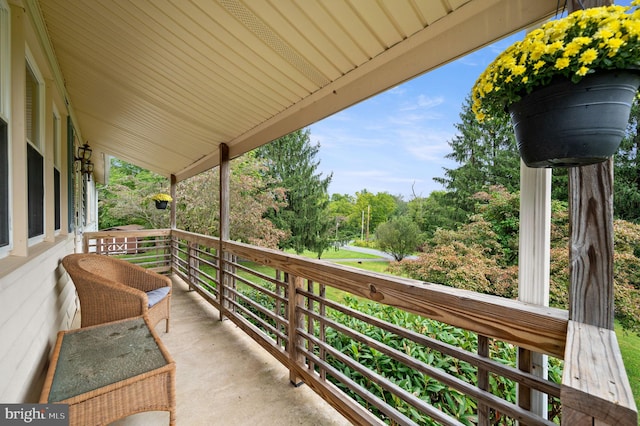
(162, 83)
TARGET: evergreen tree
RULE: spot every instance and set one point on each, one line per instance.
(487, 154)
(434, 212)
(626, 199)
(291, 162)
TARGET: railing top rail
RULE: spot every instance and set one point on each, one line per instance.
(125, 233)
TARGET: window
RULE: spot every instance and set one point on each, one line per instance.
(5, 202)
(35, 165)
(4, 185)
(4, 59)
(56, 171)
(71, 176)
(35, 159)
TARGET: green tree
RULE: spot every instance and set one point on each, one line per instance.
(126, 199)
(251, 196)
(291, 162)
(341, 208)
(626, 199)
(373, 209)
(399, 237)
(481, 255)
(434, 212)
(487, 155)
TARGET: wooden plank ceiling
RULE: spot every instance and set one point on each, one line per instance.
(161, 83)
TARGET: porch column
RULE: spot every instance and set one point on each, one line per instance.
(534, 269)
(224, 222)
(591, 244)
(172, 192)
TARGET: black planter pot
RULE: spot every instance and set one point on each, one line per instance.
(161, 204)
(567, 125)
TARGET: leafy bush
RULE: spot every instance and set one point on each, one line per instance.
(482, 256)
(428, 389)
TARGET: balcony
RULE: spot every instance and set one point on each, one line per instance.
(287, 305)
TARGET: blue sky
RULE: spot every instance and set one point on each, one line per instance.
(396, 141)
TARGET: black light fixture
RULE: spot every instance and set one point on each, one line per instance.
(82, 160)
(87, 168)
(84, 153)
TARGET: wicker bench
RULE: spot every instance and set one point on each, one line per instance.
(110, 371)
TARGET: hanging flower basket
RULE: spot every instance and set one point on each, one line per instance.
(566, 125)
(567, 85)
(162, 200)
(160, 204)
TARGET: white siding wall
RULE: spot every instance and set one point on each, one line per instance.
(36, 301)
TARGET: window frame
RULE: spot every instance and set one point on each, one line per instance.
(38, 146)
(57, 171)
(6, 218)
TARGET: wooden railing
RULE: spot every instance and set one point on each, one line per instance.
(373, 371)
(148, 248)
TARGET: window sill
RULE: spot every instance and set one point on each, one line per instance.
(10, 263)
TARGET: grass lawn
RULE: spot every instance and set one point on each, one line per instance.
(336, 254)
(630, 349)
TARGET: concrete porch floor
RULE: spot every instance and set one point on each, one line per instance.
(225, 378)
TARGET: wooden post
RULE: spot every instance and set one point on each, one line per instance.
(296, 320)
(484, 415)
(591, 244)
(224, 222)
(173, 201)
(172, 248)
(194, 264)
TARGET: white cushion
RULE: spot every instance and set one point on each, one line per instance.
(157, 295)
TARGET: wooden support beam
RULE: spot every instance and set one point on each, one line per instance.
(172, 190)
(296, 319)
(591, 244)
(224, 222)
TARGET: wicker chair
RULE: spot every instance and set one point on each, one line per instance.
(112, 289)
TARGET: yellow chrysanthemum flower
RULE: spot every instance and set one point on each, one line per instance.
(518, 69)
(572, 49)
(582, 71)
(588, 56)
(562, 63)
(554, 47)
(603, 34)
(614, 43)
